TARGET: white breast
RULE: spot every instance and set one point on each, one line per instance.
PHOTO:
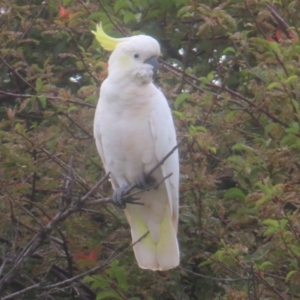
(123, 125)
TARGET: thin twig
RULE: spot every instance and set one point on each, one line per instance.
(283, 25)
(73, 279)
(110, 19)
(190, 78)
(49, 97)
(23, 208)
(215, 278)
(160, 163)
(155, 185)
(98, 184)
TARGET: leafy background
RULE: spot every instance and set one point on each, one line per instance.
(230, 70)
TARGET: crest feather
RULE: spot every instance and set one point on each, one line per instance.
(107, 42)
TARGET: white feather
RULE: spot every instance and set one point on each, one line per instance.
(134, 130)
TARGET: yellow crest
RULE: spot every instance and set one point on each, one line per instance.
(107, 42)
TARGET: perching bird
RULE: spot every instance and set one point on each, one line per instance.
(134, 130)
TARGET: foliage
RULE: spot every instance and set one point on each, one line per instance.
(230, 70)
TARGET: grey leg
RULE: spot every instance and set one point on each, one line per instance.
(118, 196)
(144, 183)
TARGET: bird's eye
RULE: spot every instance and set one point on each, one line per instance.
(136, 55)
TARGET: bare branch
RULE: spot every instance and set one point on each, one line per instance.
(282, 24)
(94, 189)
(75, 278)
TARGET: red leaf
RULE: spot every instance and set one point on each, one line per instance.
(81, 256)
(103, 74)
(64, 13)
(278, 35)
(92, 255)
(292, 36)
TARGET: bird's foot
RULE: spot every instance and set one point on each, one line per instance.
(145, 183)
(118, 197)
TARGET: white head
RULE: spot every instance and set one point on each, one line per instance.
(134, 58)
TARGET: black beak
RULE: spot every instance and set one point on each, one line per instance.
(154, 63)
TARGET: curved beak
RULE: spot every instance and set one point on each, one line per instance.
(154, 63)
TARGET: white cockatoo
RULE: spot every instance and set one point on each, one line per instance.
(134, 130)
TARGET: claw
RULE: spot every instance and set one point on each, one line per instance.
(144, 183)
(118, 197)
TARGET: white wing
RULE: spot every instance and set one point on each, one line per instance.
(163, 131)
(159, 214)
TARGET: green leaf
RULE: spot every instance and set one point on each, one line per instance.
(82, 49)
(268, 142)
(128, 17)
(263, 200)
(121, 4)
(142, 4)
(195, 129)
(271, 222)
(99, 281)
(43, 101)
(97, 15)
(289, 275)
(296, 105)
(205, 263)
(265, 188)
(291, 5)
(269, 127)
(91, 99)
(52, 144)
(112, 294)
(180, 99)
(212, 149)
(229, 50)
(39, 84)
(294, 128)
(288, 140)
(240, 146)
(178, 114)
(291, 78)
(211, 76)
(273, 85)
(270, 230)
(121, 278)
(234, 193)
(274, 46)
(230, 116)
(72, 107)
(88, 279)
(295, 249)
(283, 223)
(200, 129)
(263, 42)
(265, 264)
(19, 128)
(220, 255)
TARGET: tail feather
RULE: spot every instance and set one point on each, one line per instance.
(158, 250)
(167, 250)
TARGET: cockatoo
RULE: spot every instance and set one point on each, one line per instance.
(134, 130)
